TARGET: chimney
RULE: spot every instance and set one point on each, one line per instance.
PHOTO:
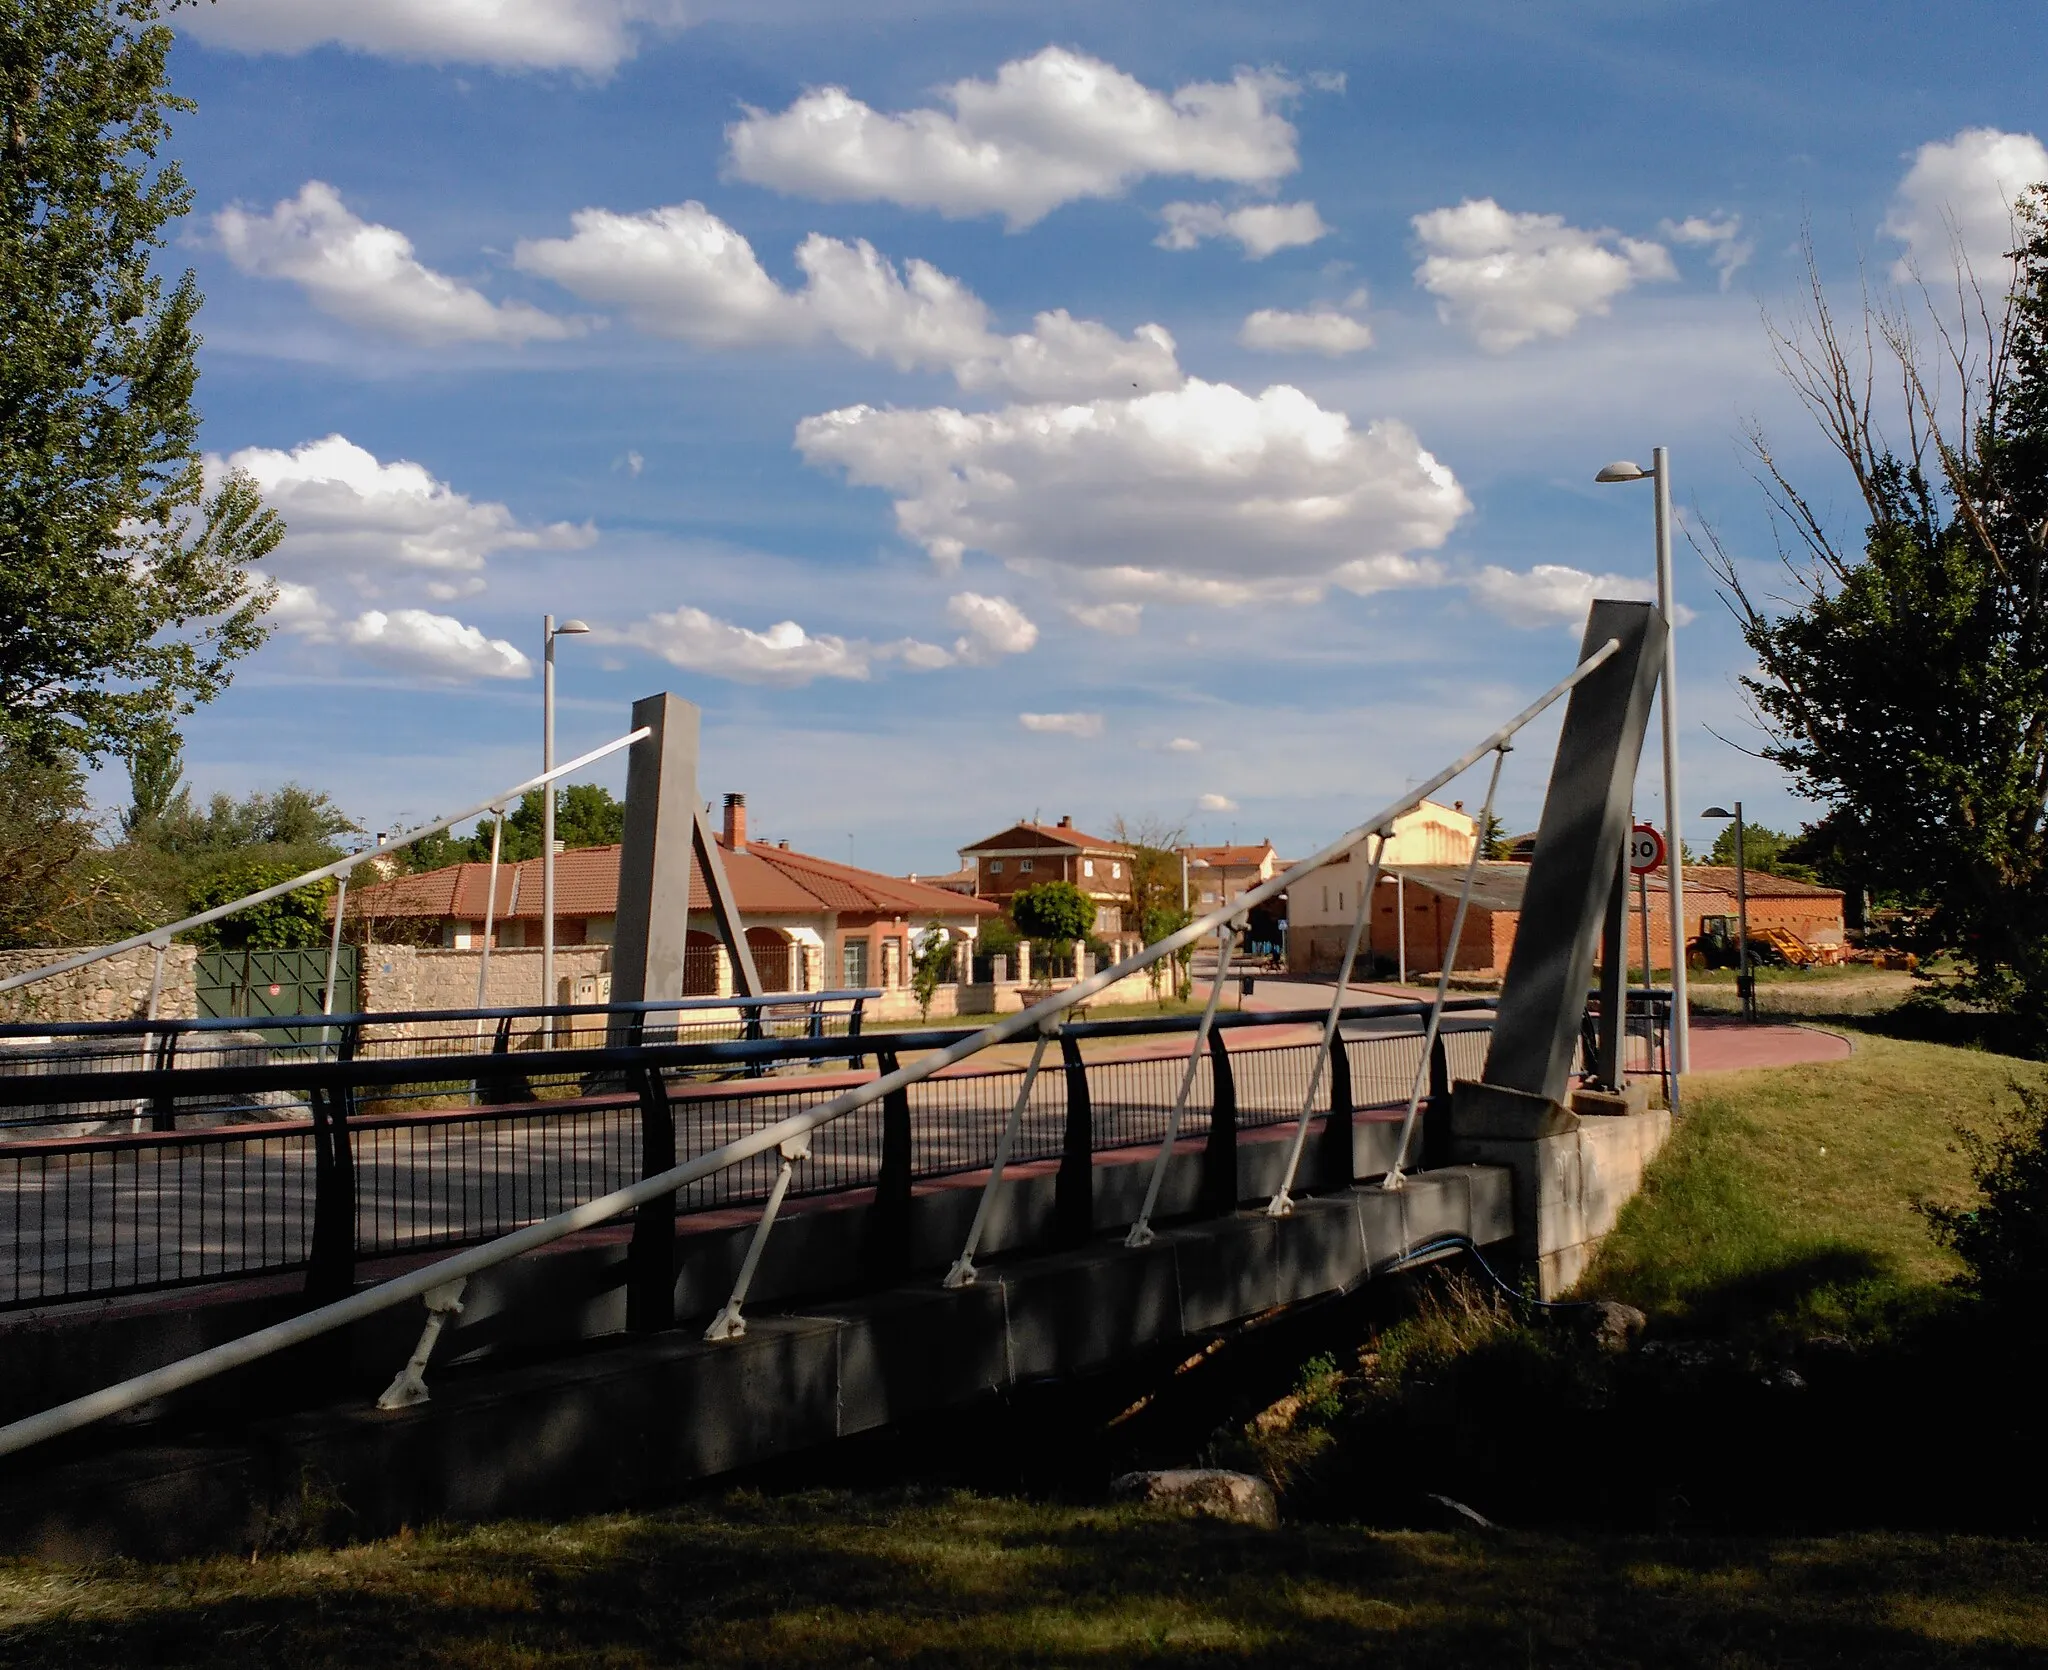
(736, 823)
(1066, 822)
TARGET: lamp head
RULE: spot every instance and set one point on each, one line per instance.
(1717, 812)
(1623, 470)
(572, 626)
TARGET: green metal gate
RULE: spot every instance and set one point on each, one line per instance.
(264, 983)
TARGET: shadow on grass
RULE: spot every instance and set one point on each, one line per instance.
(827, 1579)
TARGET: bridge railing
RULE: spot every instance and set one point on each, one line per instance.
(440, 1283)
(371, 1176)
(47, 1052)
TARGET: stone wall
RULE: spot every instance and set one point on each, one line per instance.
(115, 988)
(413, 977)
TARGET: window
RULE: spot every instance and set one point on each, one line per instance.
(1024, 864)
(853, 962)
(995, 866)
(1088, 866)
(1116, 872)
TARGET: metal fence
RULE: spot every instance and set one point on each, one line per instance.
(358, 1172)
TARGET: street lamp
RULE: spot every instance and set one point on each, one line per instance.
(550, 632)
(1745, 986)
(1660, 472)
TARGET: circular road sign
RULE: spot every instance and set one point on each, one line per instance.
(1645, 850)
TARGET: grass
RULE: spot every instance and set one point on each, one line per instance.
(1810, 1169)
(1677, 1510)
(825, 1578)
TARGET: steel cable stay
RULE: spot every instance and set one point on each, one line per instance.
(1282, 1202)
(1393, 1178)
(439, 1282)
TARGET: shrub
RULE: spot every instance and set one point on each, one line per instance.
(2003, 1238)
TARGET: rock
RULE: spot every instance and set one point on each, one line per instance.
(1612, 1326)
(1211, 1492)
(1453, 1515)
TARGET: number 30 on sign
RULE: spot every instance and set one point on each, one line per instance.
(1645, 850)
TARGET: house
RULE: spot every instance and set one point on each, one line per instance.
(1415, 906)
(811, 924)
(1217, 875)
(1026, 854)
(1320, 909)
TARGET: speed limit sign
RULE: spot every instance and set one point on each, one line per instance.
(1645, 850)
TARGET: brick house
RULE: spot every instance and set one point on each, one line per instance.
(811, 924)
(1026, 854)
(1216, 875)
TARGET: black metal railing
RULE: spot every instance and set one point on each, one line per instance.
(378, 1162)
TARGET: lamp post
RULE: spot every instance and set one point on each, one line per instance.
(550, 632)
(1674, 859)
(1745, 986)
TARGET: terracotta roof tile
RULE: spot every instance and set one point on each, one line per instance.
(1053, 834)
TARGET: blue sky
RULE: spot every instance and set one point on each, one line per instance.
(1181, 412)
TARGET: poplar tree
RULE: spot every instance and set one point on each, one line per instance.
(125, 593)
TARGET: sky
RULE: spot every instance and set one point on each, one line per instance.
(1178, 413)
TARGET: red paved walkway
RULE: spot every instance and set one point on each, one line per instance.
(1723, 1044)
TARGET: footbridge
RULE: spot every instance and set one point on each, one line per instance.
(517, 1261)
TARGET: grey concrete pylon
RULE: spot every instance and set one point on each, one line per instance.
(665, 832)
(1579, 844)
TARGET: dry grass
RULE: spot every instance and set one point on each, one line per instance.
(830, 1579)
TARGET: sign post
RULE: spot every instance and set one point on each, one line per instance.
(1646, 853)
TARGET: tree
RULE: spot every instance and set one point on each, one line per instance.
(45, 833)
(1905, 684)
(1153, 896)
(156, 765)
(1493, 839)
(125, 595)
(1057, 912)
(1766, 852)
(930, 960)
(586, 815)
(295, 919)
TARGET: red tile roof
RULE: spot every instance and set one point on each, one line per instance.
(1048, 835)
(1720, 878)
(766, 881)
(1253, 856)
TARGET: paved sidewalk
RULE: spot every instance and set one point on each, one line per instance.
(1723, 1044)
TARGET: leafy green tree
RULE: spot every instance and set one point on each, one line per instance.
(586, 815)
(291, 816)
(931, 959)
(296, 919)
(1493, 839)
(2003, 1236)
(1768, 852)
(46, 831)
(1905, 685)
(156, 767)
(1057, 912)
(125, 595)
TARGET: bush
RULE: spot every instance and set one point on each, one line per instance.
(1054, 910)
(2003, 1239)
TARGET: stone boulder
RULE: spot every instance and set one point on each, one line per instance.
(1210, 1492)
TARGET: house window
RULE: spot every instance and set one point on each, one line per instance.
(853, 962)
(1087, 866)
(995, 866)
(1024, 864)
(1116, 872)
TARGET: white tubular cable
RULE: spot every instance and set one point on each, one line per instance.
(1282, 1202)
(962, 1273)
(371, 1301)
(1141, 1231)
(1443, 979)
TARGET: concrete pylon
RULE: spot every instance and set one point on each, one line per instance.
(666, 832)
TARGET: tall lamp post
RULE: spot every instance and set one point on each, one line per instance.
(550, 632)
(1674, 859)
(1745, 985)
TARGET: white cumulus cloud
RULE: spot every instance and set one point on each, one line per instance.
(349, 514)
(1552, 594)
(1721, 236)
(1216, 803)
(1963, 188)
(1047, 130)
(682, 272)
(368, 275)
(1119, 620)
(415, 641)
(1201, 493)
(593, 36)
(1261, 229)
(991, 626)
(1321, 330)
(1183, 745)
(1062, 724)
(784, 654)
(1506, 279)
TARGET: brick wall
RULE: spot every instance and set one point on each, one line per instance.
(115, 988)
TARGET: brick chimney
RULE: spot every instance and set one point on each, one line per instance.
(736, 823)
(1066, 821)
